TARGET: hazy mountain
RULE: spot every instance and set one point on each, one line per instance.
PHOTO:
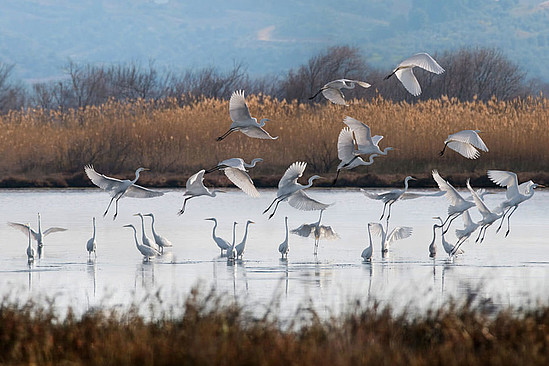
(40, 36)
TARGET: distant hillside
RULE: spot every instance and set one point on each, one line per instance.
(40, 36)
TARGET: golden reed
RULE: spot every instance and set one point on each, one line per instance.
(175, 140)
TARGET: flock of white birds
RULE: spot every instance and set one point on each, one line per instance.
(354, 141)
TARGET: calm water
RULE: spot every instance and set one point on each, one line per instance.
(505, 271)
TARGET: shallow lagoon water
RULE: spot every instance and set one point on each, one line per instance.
(504, 271)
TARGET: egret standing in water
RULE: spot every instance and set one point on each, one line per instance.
(195, 188)
(398, 233)
(332, 90)
(117, 188)
(405, 74)
(91, 246)
(223, 244)
(284, 248)
(242, 246)
(236, 170)
(30, 250)
(465, 143)
(37, 235)
(367, 252)
(289, 189)
(243, 121)
(231, 252)
(160, 240)
(144, 238)
(146, 251)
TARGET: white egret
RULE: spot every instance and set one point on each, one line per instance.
(488, 217)
(91, 246)
(144, 238)
(466, 143)
(231, 251)
(289, 189)
(433, 245)
(284, 248)
(388, 198)
(160, 240)
(243, 121)
(117, 188)
(332, 90)
(37, 235)
(398, 233)
(346, 153)
(366, 144)
(242, 246)
(317, 230)
(236, 170)
(450, 249)
(457, 203)
(195, 188)
(367, 252)
(147, 251)
(405, 74)
(221, 243)
(30, 250)
(516, 194)
(469, 227)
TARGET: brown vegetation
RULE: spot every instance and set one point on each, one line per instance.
(50, 147)
(211, 331)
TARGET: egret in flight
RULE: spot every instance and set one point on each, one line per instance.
(345, 153)
(195, 188)
(398, 233)
(488, 217)
(458, 204)
(242, 246)
(37, 235)
(119, 188)
(469, 227)
(243, 121)
(91, 245)
(316, 230)
(146, 251)
(223, 244)
(160, 240)
(516, 194)
(332, 90)
(284, 248)
(289, 189)
(367, 252)
(405, 74)
(388, 198)
(236, 170)
(366, 144)
(466, 143)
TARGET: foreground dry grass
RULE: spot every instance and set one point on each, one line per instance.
(212, 332)
(52, 146)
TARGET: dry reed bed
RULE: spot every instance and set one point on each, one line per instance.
(213, 332)
(176, 141)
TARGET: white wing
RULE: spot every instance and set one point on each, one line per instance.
(242, 180)
(257, 132)
(464, 149)
(399, 232)
(423, 60)
(362, 133)
(361, 83)
(110, 185)
(238, 109)
(327, 232)
(304, 230)
(408, 79)
(376, 229)
(292, 173)
(451, 194)
(335, 96)
(345, 145)
(376, 139)
(412, 195)
(302, 201)
(24, 229)
(373, 196)
(53, 230)
(469, 137)
(505, 179)
(136, 191)
(484, 211)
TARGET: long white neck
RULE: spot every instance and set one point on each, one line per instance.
(136, 175)
(386, 150)
(152, 225)
(252, 163)
(370, 236)
(246, 232)
(215, 227)
(406, 184)
(135, 236)
(234, 236)
(310, 183)
(94, 228)
(39, 225)
(142, 224)
(29, 248)
(286, 221)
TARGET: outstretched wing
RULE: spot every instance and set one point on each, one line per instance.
(24, 228)
(242, 180)
(412, 195)
(423, 60)
(478, 201)
(327, 232)
(302, 201)
(376, 228)
(53, 230)
(373, 196)
(505, 179)
(109, 184)
(362, 133)
(136, 191)
(408, 79)
(464, 149)
(257, 132)
(450, 192)
(292, 174)
(334, 95)
(304, 230)
(238, 109)
(345, 145)
(398, 233)
(468, 137)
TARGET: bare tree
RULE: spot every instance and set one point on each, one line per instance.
(12, 96)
